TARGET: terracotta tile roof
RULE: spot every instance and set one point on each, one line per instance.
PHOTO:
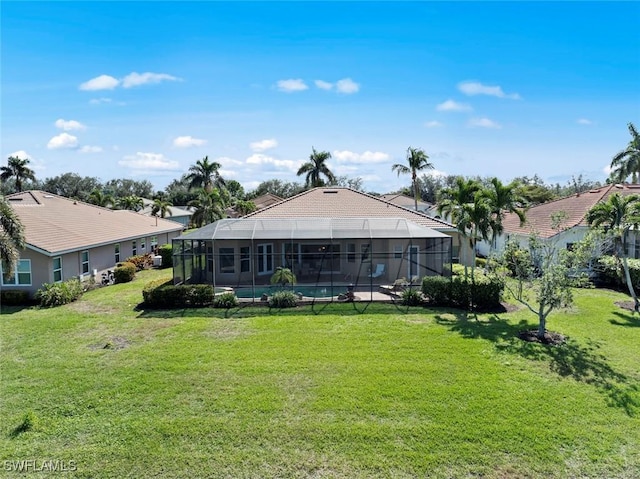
(576, 207)
(265, 200)
(56, 224)
(406, 201)
(341, 202)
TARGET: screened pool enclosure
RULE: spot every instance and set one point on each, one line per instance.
(328, 256)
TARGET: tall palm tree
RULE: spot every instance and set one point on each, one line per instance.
(315, 168)
(209, 207)
(162, 207)
(205, 174)
(503, 199)
(417, 161)
(100, 198)
(617, 215)
(130, 202)
(17, 168)
(627, 161)
(12, 238)
(463, 205)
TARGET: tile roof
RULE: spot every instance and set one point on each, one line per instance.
(576, 207)
(342, 202)
(265, 200)
(176, 211)
(406, 201)
(55, 224)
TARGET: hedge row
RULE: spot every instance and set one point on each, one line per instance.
(484, 294)
(13, 297)
(57, 294)
(166, 251)
(612, 275)
(163, 294)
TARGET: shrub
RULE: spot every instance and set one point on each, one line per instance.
(481, 262)
(283, 299)
(12, 297)
(141, 262)
(612, 274)
(411, 297)
(124, 272)
(163, 294)
(57, 294)
(485, 293)
(166, 251)
(437, 289)
(225, 301)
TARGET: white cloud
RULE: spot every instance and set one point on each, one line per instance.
(484, 123)
(148, 162)
(63, 141)
(91, 149)
(102, 82)
(347, 86)
(188, 142)
(607, 170)
(99, 101)
(346, 156)
(323, 85)
(263, 145)
(584, 121)
(292, 85)
(475, 88)
(433, 124)
(69, 125)
(451, 105)
(226, 162)
(21, 154)
(147, 78)
(260, 159)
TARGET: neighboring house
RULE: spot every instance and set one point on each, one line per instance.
(322, 235)
(261, 202)
(67, 238)
(570, 213)
(179, 214)
(408, 202)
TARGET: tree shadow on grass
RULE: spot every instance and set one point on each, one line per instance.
(583, 363)
(628, 320)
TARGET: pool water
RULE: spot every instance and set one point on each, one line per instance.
(308, 291)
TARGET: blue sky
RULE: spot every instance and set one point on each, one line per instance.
(143, 90)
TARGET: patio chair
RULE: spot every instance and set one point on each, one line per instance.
(378, 272)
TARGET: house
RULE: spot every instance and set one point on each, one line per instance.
(562, 221)
(179, 214)
(409, 203)
(261, 202)
(324, 235)
(71, 239)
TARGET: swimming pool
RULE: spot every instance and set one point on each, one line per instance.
(308, 291)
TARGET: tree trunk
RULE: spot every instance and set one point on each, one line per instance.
(542, 322)
(627, 277)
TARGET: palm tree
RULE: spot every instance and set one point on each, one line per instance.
(503, 199)
(162, 207)
(17, 168)
(315, 168)
(617, 216)
(209, 207)
(283, 276)
(627, 161)
(130, 202)
(205, 174)
(100, 198)
(418, 161)
(463, 205)
(12, 238)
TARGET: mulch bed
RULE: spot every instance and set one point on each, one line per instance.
(550, 337)
(628, 305)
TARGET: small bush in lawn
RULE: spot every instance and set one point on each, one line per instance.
(225, 301)
(57, 294)
(166, 251)
(29, 422)
(12, 297)
(124, 272)
(144, 261)
(283, 299)
(411, 297)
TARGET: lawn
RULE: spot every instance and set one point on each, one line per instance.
(125, 392)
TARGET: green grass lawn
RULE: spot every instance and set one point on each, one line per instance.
(425, 393)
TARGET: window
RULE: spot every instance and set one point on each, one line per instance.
(226, 261)
(364, 253)
(245, 259)
(154, 242)
(397, 251)
(21, 275)
(265, 258)
(143, 245)
(134, 249)
(414, 259)
(85, 262)
(117, 252)
(351, 252)
(57, 269)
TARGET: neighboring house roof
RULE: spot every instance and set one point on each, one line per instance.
(406, 201)
(342, 202)
(55, 224)
(265, 200)
(576, 207)
(176, 211)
